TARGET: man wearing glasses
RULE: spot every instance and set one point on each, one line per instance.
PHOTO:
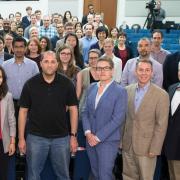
(102, 117)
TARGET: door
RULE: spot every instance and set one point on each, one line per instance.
(108, 9)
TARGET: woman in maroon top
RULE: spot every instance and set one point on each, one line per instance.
(123, 51)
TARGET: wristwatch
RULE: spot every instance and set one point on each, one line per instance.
(73, 134)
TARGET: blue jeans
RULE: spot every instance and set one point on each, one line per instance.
(38, 149)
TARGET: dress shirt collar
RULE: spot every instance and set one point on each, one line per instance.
(145, 88)
(89, 37)
(105, 86)
(23, 61)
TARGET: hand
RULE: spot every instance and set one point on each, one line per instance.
(73, 144)
(151, 155)
(91, 138)
(11, 149)
(22, 146)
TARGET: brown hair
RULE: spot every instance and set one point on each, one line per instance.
(3, 86)
(72, 68)
(36, 42)
(107, 59)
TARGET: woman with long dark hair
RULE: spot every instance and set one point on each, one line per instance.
(71, 39)
(45, 44)
(7, 126)
(67, 17)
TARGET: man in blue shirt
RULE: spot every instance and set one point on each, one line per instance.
(18, 70)
(87, 41)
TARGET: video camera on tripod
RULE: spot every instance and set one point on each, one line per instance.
(153, 13)
(151, 5)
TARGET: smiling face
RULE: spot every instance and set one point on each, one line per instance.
(114, 33)
(71, 41)
(144, 73)
(43, 43)
(65, 56)
(33, 47)
(144, 48)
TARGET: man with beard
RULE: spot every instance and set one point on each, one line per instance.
(144, 49)
(157, 52)
(7, 29)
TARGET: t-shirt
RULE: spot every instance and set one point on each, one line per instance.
(47, 105)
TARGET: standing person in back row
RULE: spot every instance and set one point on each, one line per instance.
(46, 98)
(128, 75)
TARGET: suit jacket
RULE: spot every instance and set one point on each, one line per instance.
(145, 129)
(172, 140)
(8, 122)
(170, 70)
(7, 56)
(25, 22)
(106, 119)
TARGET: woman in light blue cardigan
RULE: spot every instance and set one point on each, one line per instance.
(7, 126)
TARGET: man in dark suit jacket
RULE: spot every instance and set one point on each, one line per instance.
(170, 70)
(172, 140)
(91, 11)
(26, 20)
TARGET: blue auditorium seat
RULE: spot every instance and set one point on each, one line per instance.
(175, 46)
(172, 50)
(171, 40)
(144, 31)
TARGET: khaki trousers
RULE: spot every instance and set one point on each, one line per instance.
(138, 167)
(174, 169)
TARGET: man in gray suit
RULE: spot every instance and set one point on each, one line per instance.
(145, 126)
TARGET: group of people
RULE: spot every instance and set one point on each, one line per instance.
(87, 94)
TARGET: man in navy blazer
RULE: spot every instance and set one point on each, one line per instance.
(171, 144)
(26, 20)
(103, 116)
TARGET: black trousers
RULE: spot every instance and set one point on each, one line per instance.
(16, 108)
(4, 159)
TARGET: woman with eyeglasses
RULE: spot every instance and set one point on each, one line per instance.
(88, 76)
(67, 66)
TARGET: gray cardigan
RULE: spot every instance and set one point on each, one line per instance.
(8, 122)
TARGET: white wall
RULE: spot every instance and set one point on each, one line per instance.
(60, 6)
(133, 11)
(7, 7)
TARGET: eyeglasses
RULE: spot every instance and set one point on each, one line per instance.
(65, 54)
(93, 58)
(106, 68)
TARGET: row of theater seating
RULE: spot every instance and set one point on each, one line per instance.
(171, 40)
